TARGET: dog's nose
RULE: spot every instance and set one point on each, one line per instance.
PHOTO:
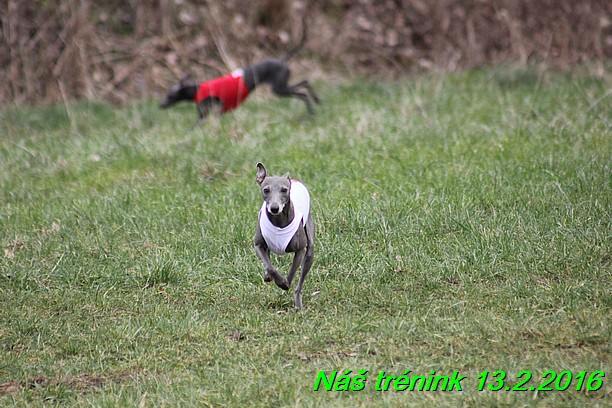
(274, 209)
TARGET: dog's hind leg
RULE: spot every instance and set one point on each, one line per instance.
(302, 96)
(298, 95)
(298, 260)
(288, 92)
(308, 260)
(311, 92)
(305, 269)
(281, 87)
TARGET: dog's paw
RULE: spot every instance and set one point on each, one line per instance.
(282, 284)
(298, 304)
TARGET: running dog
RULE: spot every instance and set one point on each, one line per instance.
(285, 226)
(228, 92)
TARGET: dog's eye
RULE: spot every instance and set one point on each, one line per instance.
(266, 190)
(284, 190)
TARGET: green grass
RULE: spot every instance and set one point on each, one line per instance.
(463, 224)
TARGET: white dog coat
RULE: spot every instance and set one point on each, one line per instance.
(277, 238)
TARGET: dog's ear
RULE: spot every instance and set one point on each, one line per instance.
(261, 173)
(288, 176)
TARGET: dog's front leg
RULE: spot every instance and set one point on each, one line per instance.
(196, 123)
(202, 117)
(264, 254)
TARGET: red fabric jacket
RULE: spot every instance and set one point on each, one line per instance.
(230, 89)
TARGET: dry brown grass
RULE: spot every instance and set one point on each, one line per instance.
(115, 51)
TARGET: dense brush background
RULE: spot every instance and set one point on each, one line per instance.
(54, 50)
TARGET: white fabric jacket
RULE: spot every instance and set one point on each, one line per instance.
(277, 238)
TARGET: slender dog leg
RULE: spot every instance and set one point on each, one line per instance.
(205, 107)
(264, 255)
(281, 87)
(310, 230)
(308, 259)
(311, 92)
(198, 122)
(298, 260)
(303, 97)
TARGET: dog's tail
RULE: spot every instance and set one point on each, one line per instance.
(298, 47)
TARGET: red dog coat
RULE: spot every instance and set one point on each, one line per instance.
(229, 89)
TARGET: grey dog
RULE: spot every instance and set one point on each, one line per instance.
(285, 226)
(228, 92)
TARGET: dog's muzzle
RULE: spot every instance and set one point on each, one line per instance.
(275, 208)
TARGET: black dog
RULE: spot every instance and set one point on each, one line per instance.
(227, 92)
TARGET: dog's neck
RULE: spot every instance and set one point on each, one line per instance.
(284, 218)
(189, 92)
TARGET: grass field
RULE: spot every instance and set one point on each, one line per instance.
(463, 226)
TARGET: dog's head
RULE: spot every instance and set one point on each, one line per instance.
(275, 190)
(178, 92)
